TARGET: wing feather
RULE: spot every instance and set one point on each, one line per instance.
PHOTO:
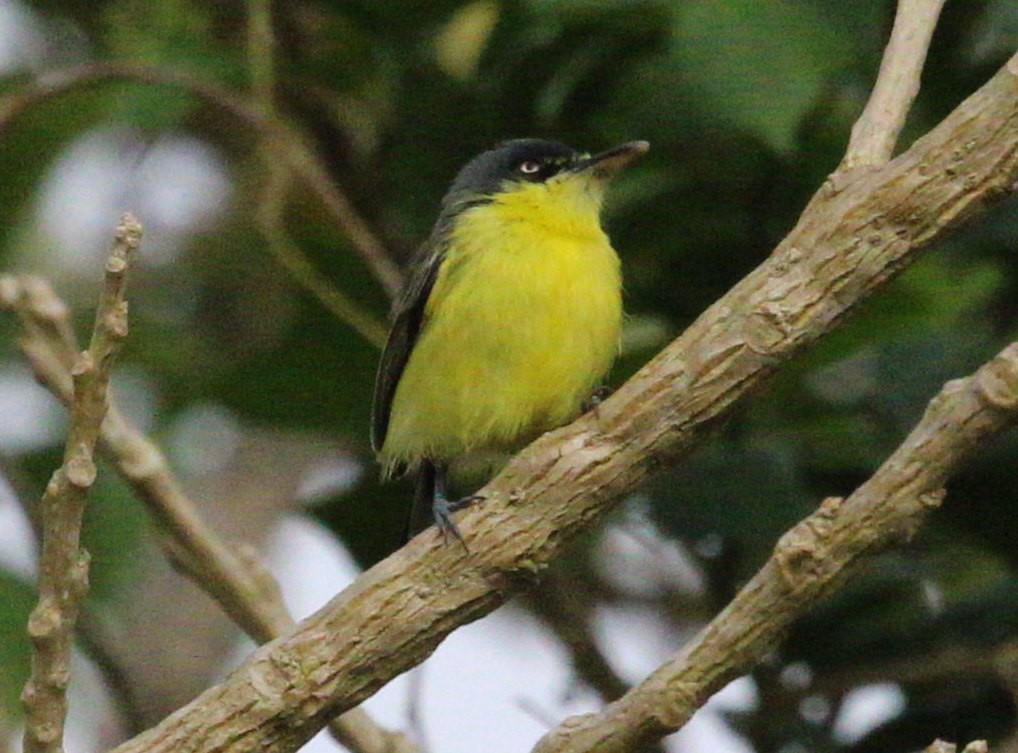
(408, 320)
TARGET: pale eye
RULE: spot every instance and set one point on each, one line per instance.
(530, 167)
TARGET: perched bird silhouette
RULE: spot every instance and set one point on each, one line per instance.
(509, 320)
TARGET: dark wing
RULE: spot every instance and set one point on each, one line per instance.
(406, 326)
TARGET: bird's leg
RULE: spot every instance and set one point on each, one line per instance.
(442, 507)
(598, 396)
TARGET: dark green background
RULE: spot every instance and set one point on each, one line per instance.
(747, 105)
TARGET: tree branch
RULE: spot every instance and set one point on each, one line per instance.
(355, 729)
(851, 240)
(875, 133)
(292, 148)
(808, 562)
(63, 564)
(565, 607)
(49, 345)
(232, 576)
(89, 632)
(270, 212)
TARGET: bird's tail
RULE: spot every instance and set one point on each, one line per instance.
(421, 515)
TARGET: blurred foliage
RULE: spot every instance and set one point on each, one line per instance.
(747, 104)
(17, 598)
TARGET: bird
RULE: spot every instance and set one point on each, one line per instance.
(509, 319)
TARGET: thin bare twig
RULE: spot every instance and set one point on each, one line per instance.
(566, 609)
(808, 562)
(395, 614)
(292, 148)
(270, 213)
(88, 631)
(232, 576)
(875, 133)
(261, 50)
(49, 346)
(355, 729)
(63, 564)
(270, 216)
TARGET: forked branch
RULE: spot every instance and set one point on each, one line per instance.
(63, 564)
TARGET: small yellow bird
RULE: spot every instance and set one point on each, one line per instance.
(509, 320)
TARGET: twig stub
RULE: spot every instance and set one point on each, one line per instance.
(63, 564)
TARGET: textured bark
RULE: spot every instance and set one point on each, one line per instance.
(861, 228)
(808, 562)
(63, 564)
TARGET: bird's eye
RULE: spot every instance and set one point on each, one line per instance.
(530, 167)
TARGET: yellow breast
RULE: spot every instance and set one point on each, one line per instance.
(522, 324)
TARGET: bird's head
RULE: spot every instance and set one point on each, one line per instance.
(540, 181)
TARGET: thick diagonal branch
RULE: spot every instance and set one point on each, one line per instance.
(851, 240)
(808, 562)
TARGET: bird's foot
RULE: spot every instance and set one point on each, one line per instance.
(595, 398)
(443, 510)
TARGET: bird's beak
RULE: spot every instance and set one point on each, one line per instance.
(610, 163)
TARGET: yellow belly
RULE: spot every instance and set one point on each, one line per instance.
(521, 325)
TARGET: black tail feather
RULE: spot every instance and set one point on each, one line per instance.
(421, 515)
